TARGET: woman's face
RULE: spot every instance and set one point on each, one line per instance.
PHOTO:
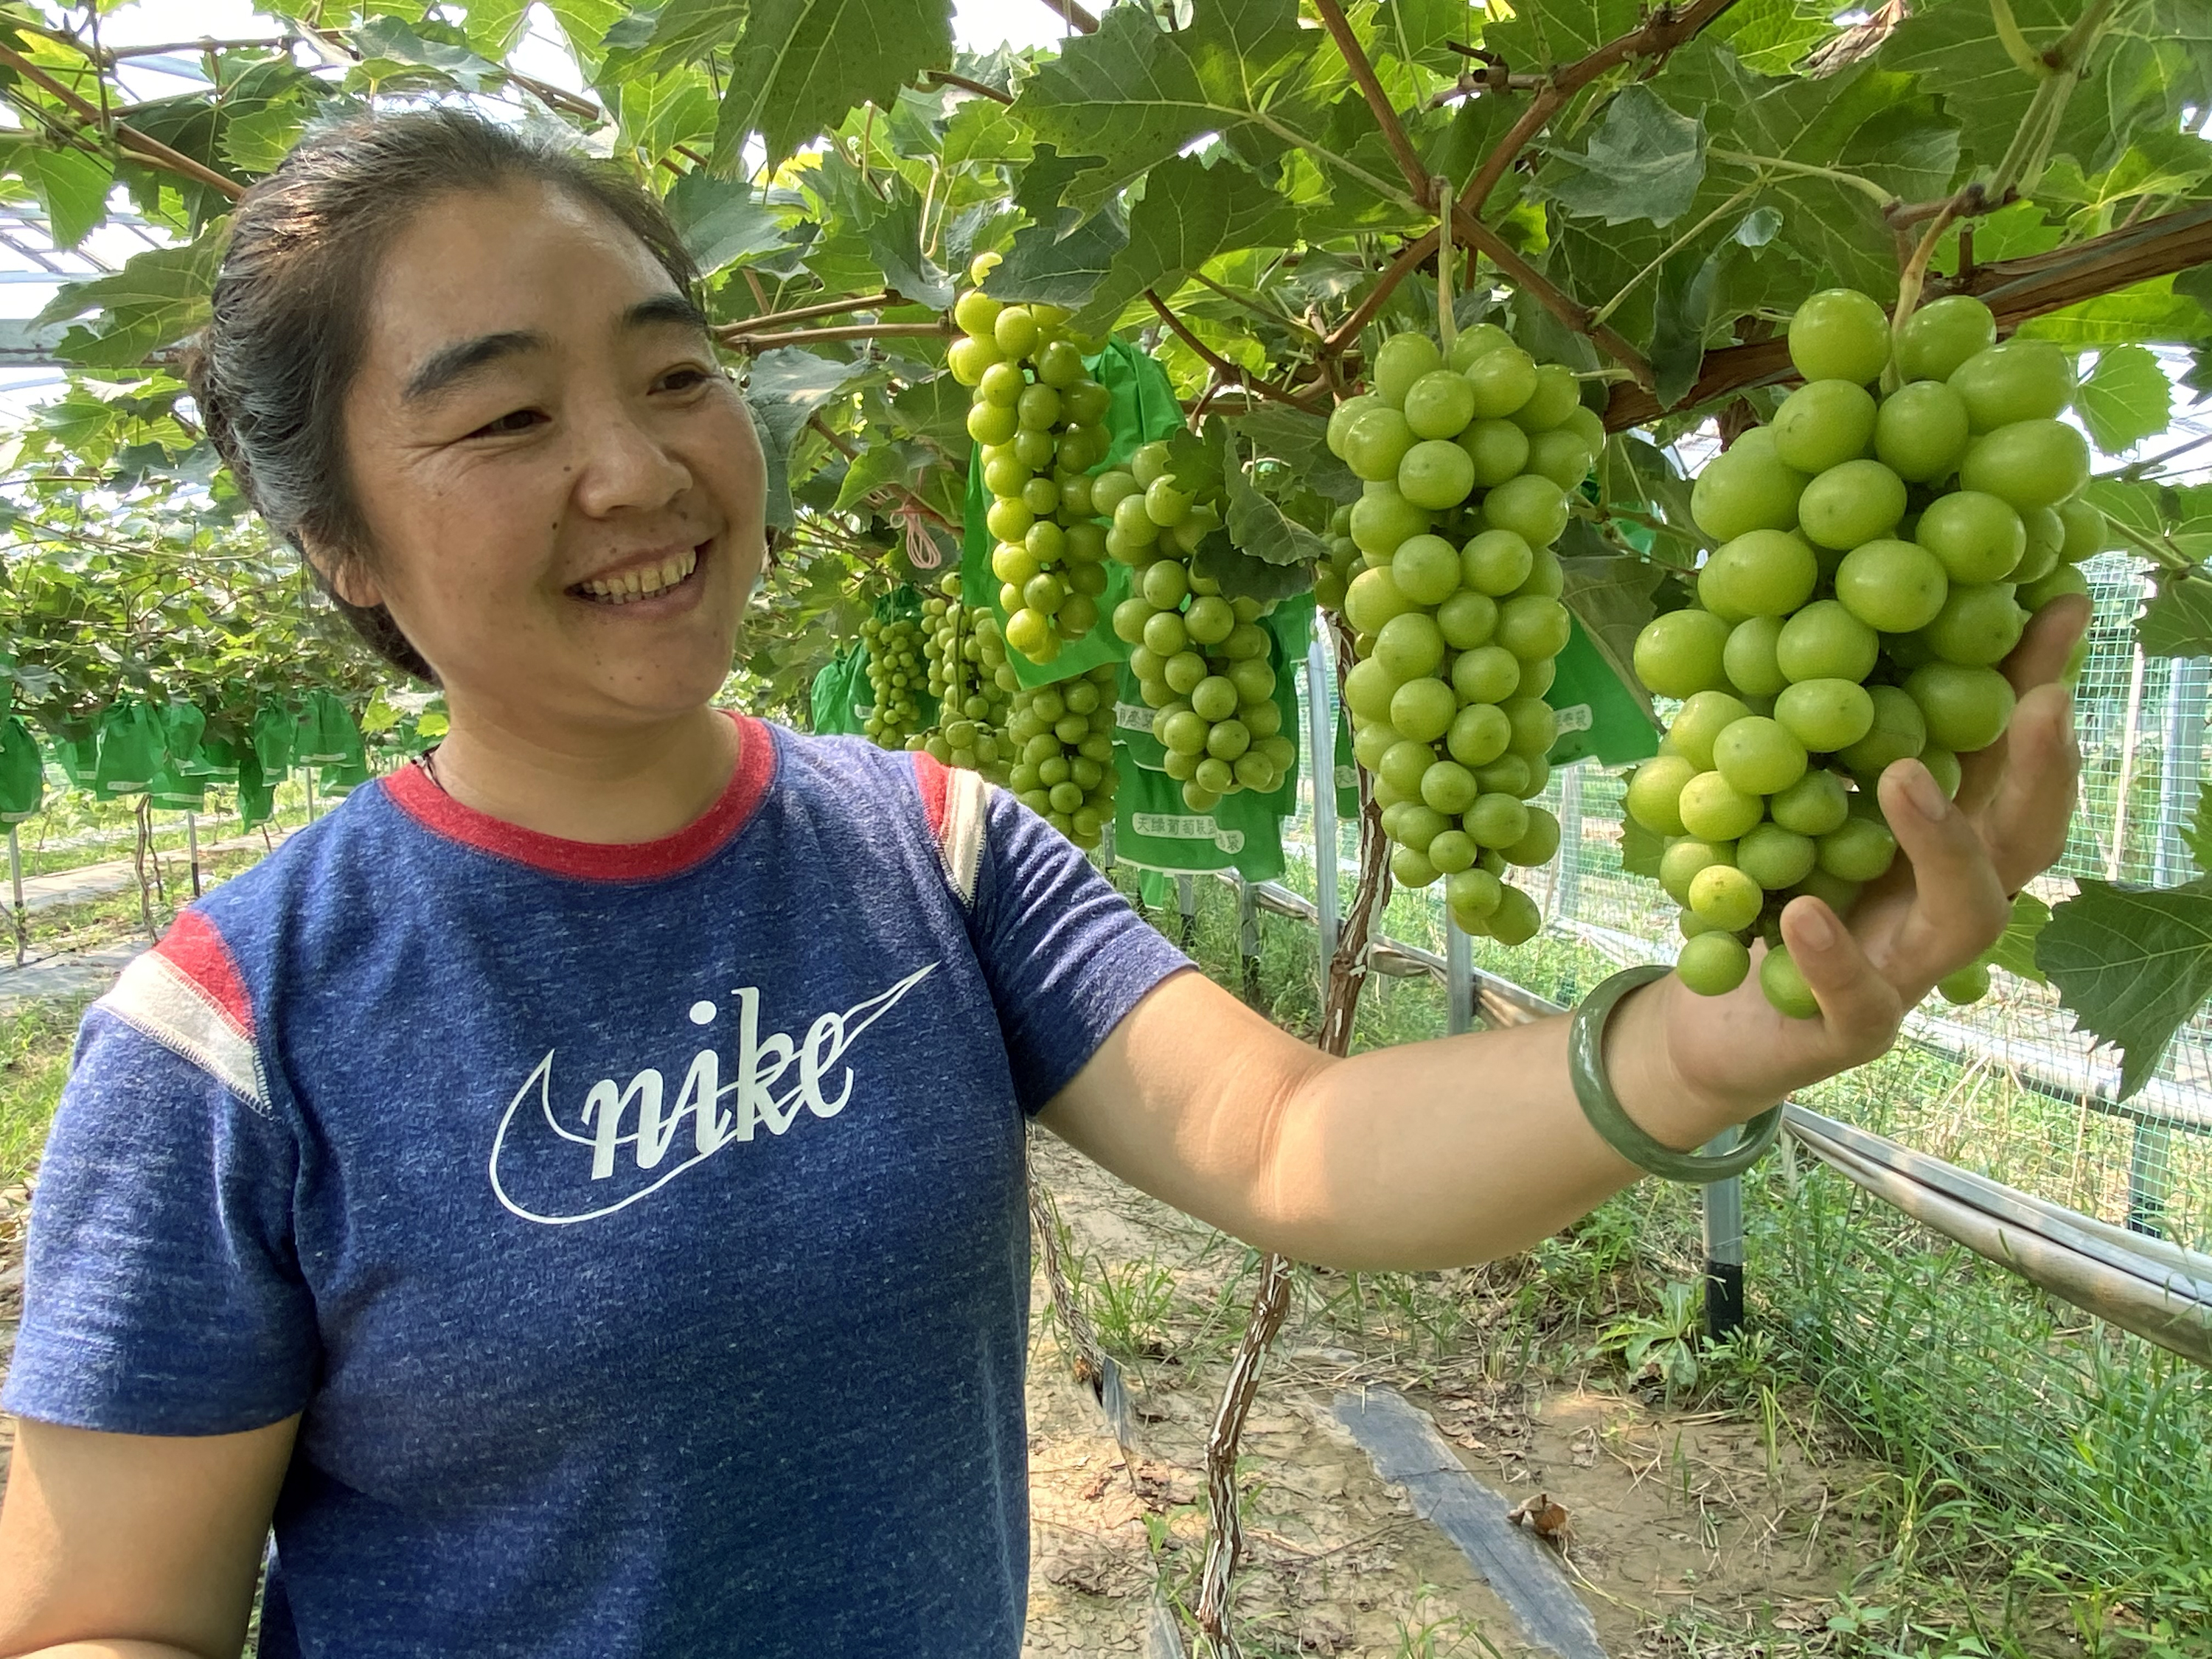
(563, 491)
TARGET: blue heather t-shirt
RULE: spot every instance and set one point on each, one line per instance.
(641, 1230)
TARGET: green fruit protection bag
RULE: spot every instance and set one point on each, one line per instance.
(257, 797)
(326, 734)
(340, 779)
(184, 728)
(829, 702)
(1598, 715)
(1143, 408)
(22, 772)
(132, 750)
(1156, 832)
(275, 728)
(79, 755)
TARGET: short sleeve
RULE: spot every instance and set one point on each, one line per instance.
(160, 1293)
(1066, 957)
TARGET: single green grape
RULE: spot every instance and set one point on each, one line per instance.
(1785, 986)
(1713, 963)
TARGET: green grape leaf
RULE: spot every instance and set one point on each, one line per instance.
(72, 184)
(1645, 161)
(1265, 531)
(585, 24)
(680, 32)
(156, 299)
(2197, 836)
(2126, 399)
(1421, 32)
(1279, 433)
(890, 228)
(2178, 622)
(722, 221)
(1190, 213)
(1537, 37)
(937, 408)
(2014, 951)
(1135, 95)
(255, 141)
(1771, 37)
(391, 50)
(878, 465)
(801, 64)
(1612, 597)
(2132, 964)
(1953, 50)
(2156, 311)
(1064, 271)
(2172, 525)
(1639, 849)
(786, 387)
(1241, 575)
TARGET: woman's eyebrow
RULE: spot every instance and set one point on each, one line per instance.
(668, 306)
(449, 364)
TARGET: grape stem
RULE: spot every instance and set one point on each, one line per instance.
(739, 337)
(1447, 323)
(1219, 364)
(125, 135)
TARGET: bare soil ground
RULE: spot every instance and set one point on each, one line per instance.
(1752, 1522)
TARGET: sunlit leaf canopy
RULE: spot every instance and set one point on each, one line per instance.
(1251, 187)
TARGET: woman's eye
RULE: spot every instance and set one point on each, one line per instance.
(686, 379)
(519, 420)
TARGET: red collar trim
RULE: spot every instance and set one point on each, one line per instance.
(410, 789)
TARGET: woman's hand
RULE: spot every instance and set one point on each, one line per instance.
(1943, 902)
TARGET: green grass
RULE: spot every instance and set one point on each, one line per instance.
(34, 1048)
(2047, 1476)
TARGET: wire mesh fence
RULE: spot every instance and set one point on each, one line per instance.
(2012, 1090)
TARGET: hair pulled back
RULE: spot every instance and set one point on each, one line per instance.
(271, 370)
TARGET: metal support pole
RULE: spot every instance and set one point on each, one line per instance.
(1458, 976)
(1724, 1207)
(2181, 764)
(1320, 745)
(310, 772)
(15, 881)
(1248, 937)
(192, 845)
(1187, 901)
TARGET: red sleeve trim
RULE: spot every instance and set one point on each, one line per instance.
(197, 950)
(411, 790)
(934, 779)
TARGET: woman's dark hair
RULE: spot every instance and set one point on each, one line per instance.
(272, 368)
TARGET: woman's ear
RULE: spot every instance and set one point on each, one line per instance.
(344, 575)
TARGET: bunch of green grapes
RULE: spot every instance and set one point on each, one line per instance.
(1444, 570)
(1882, 544)
(1200, 659)
(960, 647)
(1061, 737)
(1040, 419)
(894, 671)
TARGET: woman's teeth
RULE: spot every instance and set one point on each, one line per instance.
(641, 584)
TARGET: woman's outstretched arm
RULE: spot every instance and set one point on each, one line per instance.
(1444, 1153)
(134, 1546)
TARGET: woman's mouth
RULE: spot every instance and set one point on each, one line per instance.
(645, 581)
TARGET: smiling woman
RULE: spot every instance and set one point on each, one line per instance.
(573, 1194)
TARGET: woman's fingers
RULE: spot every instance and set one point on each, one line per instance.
(2024, 826)
(2040, 657)
(1959, 904)
(1859, 1007)
(2046, 642)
